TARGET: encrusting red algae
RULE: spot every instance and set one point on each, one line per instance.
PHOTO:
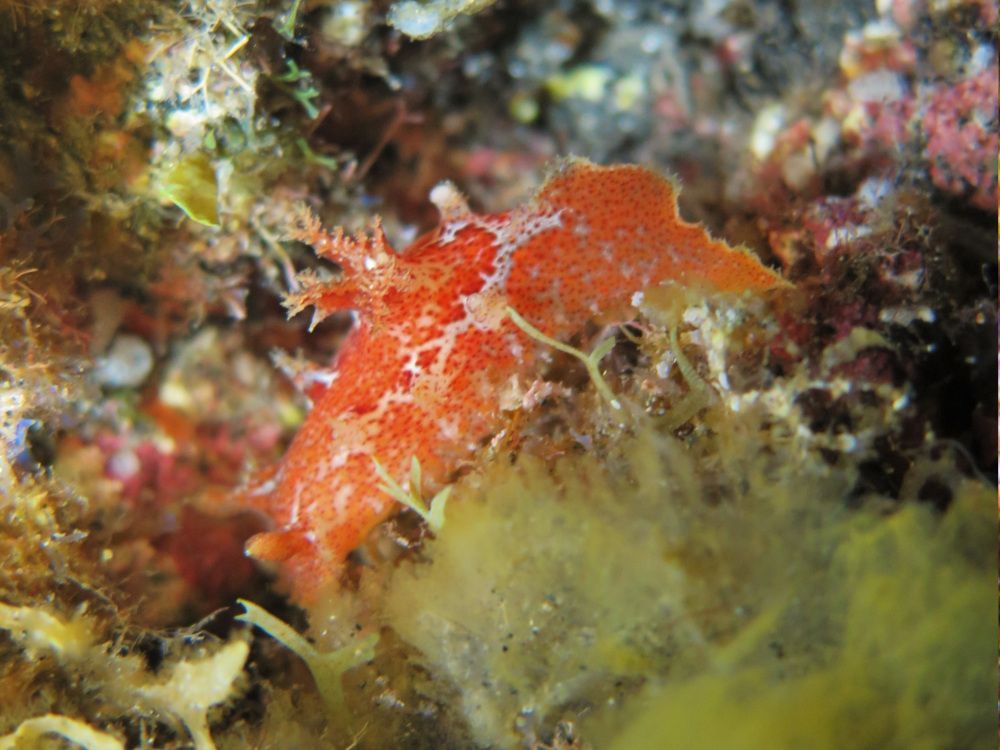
(433, 347)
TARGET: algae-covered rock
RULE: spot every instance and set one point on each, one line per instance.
(556, 591)
(544, 590)
(909, 665)
(781, 539)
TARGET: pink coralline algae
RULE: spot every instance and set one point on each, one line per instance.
(960, 124)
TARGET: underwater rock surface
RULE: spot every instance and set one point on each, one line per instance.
(785, 535)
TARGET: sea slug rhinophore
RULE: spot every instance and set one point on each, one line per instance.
(433, 347)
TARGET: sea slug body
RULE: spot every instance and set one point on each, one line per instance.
(422, 371)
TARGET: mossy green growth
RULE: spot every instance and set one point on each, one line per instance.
(912, 666)
(707, 594)
(546, 589)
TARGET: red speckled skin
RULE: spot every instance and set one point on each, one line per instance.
(422, 372)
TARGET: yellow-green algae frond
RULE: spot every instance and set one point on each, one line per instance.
(326, 667)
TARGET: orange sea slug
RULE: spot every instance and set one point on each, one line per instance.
(432, 349)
